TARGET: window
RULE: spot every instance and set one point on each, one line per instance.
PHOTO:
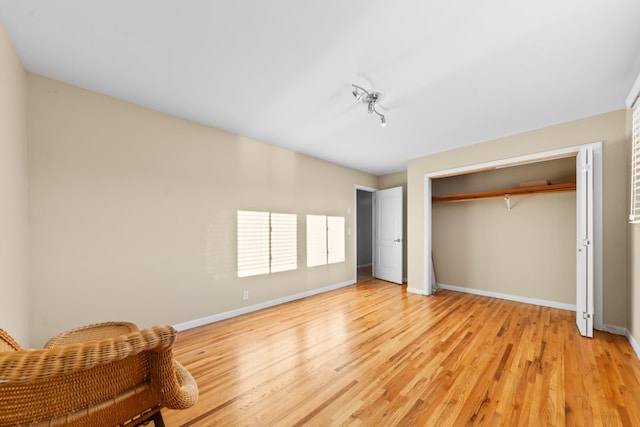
(267, 243)
(284, 242)
(335, 239)
(633, 102)
(253, 243)
(316, 240)
(634, 214)
(325, 240)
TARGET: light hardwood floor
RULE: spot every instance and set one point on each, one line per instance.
(372, 354)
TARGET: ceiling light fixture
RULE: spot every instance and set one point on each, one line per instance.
(369, 98)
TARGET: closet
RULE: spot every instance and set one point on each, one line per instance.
(508, 231)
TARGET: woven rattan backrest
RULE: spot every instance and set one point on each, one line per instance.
(97, 331)
(7, 343)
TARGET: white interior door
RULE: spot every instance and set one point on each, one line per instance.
(388, 235)
(584, 235)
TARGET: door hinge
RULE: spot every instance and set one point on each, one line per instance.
(586, 315)
(586, 167)
(586, 242)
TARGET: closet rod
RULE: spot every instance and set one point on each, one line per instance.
(520, 191)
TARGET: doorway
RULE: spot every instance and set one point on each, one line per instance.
(379, 234)
(364, 233)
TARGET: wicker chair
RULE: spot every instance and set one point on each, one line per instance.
(105, 374)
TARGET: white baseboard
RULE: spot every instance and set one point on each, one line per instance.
(619, 330)
(365, 265)
(244, 310)
(544, 303)
(613, 329)
(415, 290)
(634, 344)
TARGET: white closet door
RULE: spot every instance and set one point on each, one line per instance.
(585, 232)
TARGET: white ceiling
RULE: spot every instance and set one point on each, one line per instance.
(452, 73)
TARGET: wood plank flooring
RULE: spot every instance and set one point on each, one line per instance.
(372, 354)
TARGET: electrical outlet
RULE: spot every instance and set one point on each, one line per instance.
(245, 295)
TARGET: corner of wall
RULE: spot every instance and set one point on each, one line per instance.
(14, 317)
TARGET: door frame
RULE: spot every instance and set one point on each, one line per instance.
(513, 161)
(373, 231)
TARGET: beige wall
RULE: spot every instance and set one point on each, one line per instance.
(14, 314)
(133, 212)
(528, 251)
(608, 128)
(398, 179)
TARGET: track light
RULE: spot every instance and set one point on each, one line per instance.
(369, 98)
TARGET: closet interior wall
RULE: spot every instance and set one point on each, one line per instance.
(526, 251)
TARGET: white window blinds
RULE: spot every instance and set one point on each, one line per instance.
(335, 239)
(325, 240)
(634, 214)
(316, 240)
(284, 242)
(267, 243)
(253, 243)
(633, 102)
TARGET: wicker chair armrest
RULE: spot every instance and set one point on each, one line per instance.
(96, 331)
(30, 365)
(180, 391)
(171, 382)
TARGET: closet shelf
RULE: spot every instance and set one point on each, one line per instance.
(520, 191)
